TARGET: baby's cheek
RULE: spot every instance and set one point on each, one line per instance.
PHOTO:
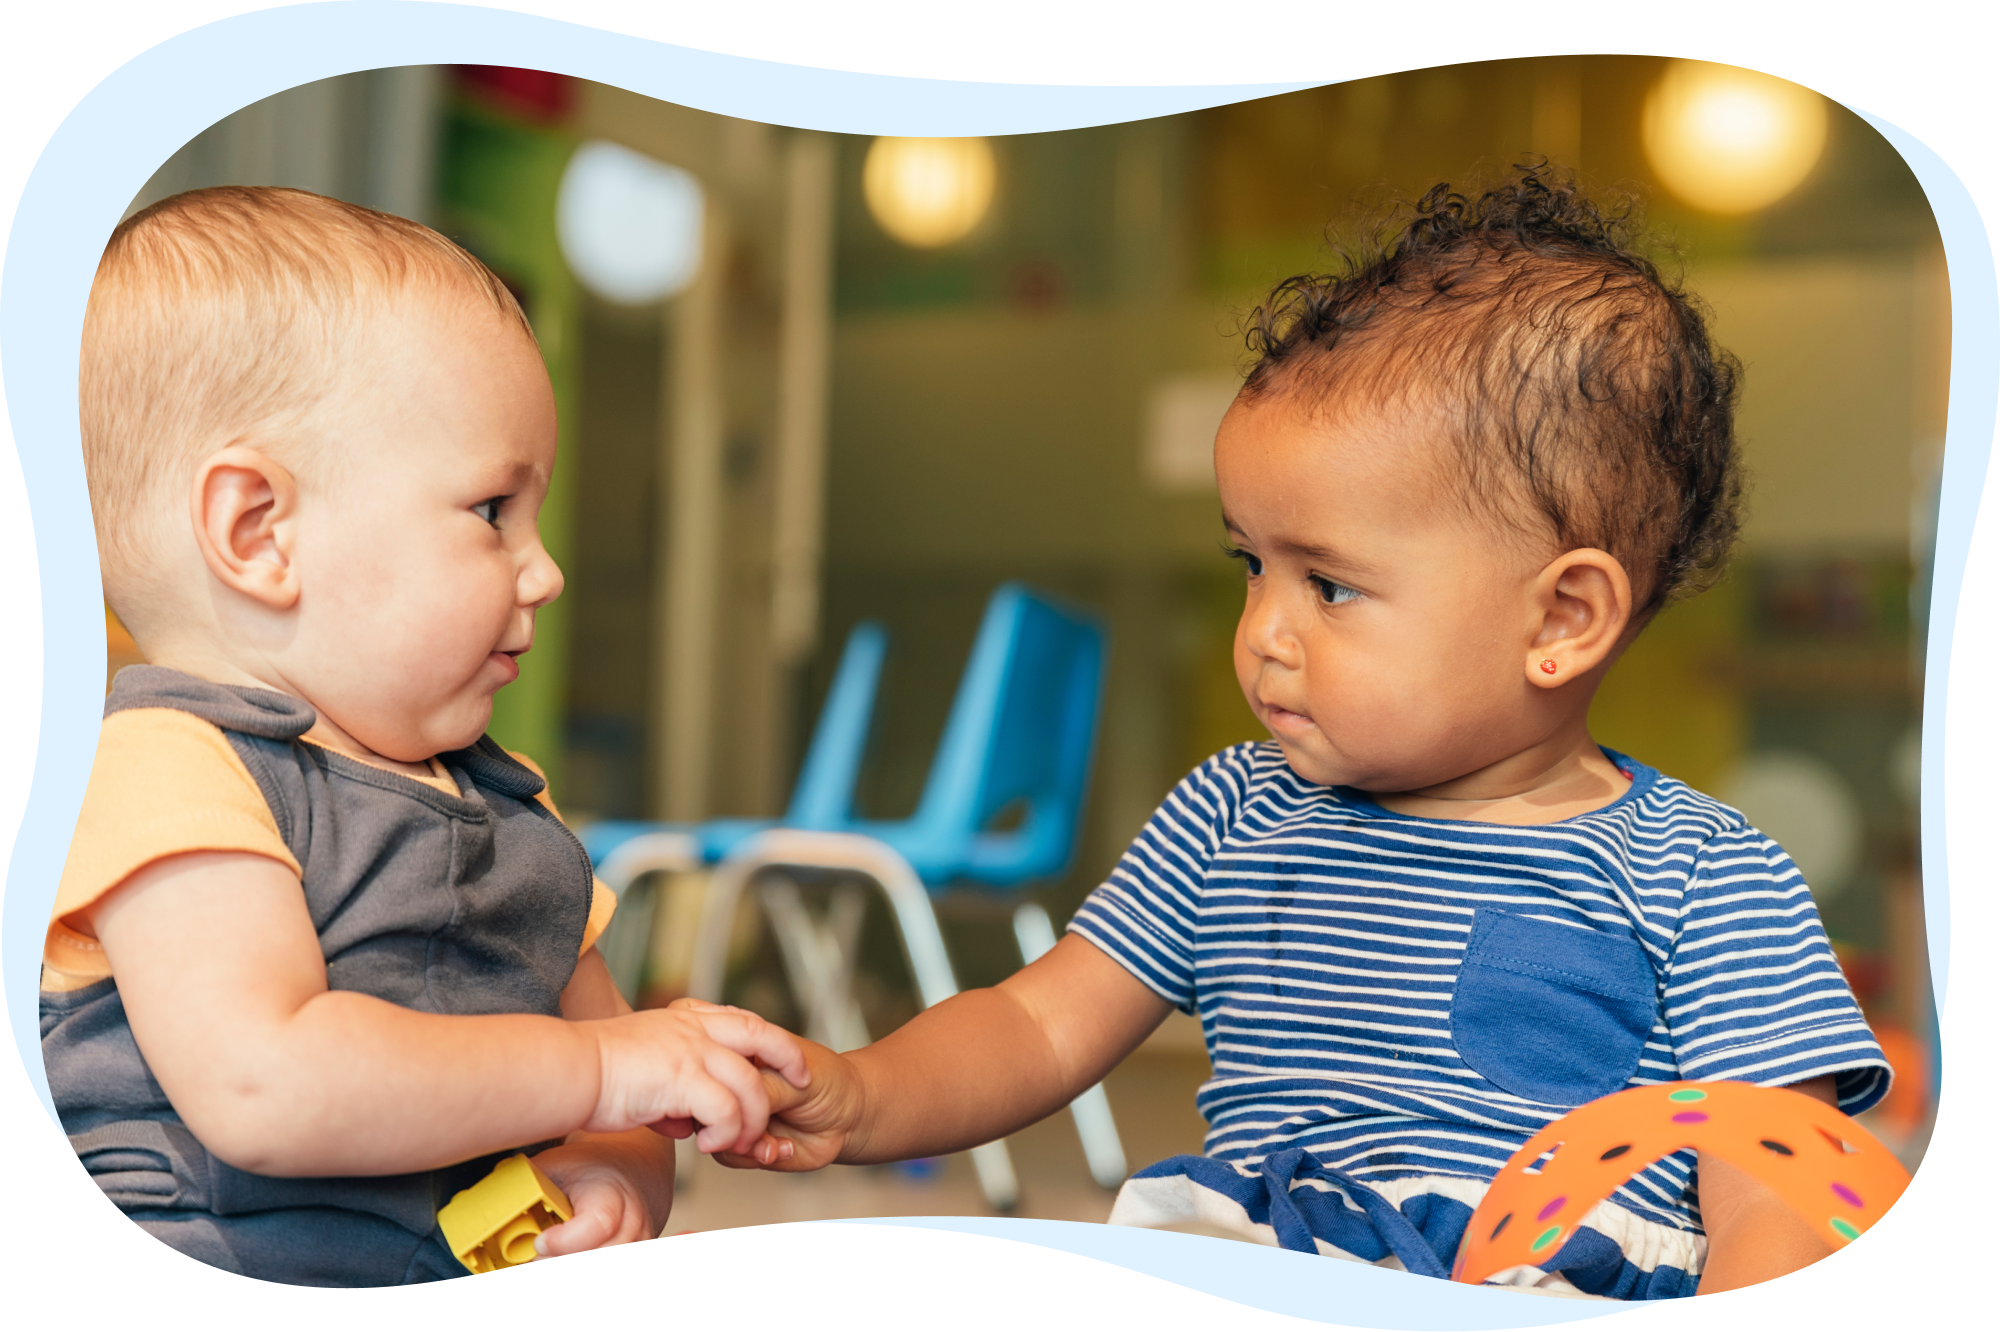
(451, 635)
(1368, 728)
(1249, 666)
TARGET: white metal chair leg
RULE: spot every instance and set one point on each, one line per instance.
(842, 939)
(1102, 1150)
(1036, 935)
(923, 943)
(997, 1181)
(916, 924)
(629, 937)
(819, 958)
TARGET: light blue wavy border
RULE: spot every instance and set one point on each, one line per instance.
(107, 147)
(1975, 377)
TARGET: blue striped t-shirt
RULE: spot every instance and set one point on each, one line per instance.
(1406, 996)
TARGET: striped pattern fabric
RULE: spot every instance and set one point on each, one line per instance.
(1321, 939)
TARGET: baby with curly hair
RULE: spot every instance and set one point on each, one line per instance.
(1431, 914)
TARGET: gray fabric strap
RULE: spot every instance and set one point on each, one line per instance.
(145, 1163)
(260, 712)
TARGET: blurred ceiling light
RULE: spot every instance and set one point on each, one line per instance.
(1731, 140)
(629, 226)
(928, 192)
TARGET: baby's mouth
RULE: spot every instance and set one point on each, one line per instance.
(1284, 719)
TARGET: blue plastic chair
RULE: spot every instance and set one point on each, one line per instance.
(824, 795)
(1021, 735)
(626, 852)
(1019, 741)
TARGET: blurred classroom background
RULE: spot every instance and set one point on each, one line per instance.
(806, 379)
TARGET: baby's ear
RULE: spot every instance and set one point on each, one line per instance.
(245, 521)
(1585, 599)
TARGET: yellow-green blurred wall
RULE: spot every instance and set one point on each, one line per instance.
(1840, 432)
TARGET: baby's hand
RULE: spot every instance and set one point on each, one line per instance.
(684, 1068)
(609, 1200)
(782, 1092)
(812, 1123)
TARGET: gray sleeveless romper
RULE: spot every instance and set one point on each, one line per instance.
(474, 903)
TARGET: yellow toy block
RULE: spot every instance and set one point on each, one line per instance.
(493, 1224)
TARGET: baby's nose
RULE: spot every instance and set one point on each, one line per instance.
(541, 580)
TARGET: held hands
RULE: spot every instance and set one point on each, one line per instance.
(971, 1069)
(688, 1068)
(813, 1120)
(699, 1069)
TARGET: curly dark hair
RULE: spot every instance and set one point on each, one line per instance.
(1587, 399)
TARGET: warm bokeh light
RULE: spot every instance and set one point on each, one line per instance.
(1731, 140)
(928, 192)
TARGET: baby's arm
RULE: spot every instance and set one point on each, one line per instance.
(977, 1067)
(620, 1185)
(1752, 1235)
(223, 981)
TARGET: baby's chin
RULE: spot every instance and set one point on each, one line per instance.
(1310, 767)
(1322, 769)
(466, 734)
(431, 736)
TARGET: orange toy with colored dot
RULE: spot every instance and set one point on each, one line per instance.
(1825, 1167)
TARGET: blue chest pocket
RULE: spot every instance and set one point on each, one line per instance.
(1550, 1012)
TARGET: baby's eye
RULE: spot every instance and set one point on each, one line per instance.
(1330, 592)
(1251, 564)
(489, 509)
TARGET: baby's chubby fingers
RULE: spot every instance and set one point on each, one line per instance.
(753, 1105)
(714, 1107)
(667, 1067)
(782, 1094)
(694, 1005)
(767, 1153)
(595, 1218)
(601, 1213)
(752, 1037)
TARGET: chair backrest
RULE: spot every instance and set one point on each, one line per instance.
(1021, 735)
(823, 799)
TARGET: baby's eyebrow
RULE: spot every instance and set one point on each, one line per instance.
(1315, 553)
(1311, 551)
(513, 475)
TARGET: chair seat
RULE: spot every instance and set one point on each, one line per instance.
(719, 837)
(716, 838)
(993, 862)
(601, 839)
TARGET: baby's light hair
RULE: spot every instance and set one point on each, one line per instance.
(225, 316)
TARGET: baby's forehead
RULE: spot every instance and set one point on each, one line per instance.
(1401, 448)
(454, 308)
(423, 332)
(1399, 430)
